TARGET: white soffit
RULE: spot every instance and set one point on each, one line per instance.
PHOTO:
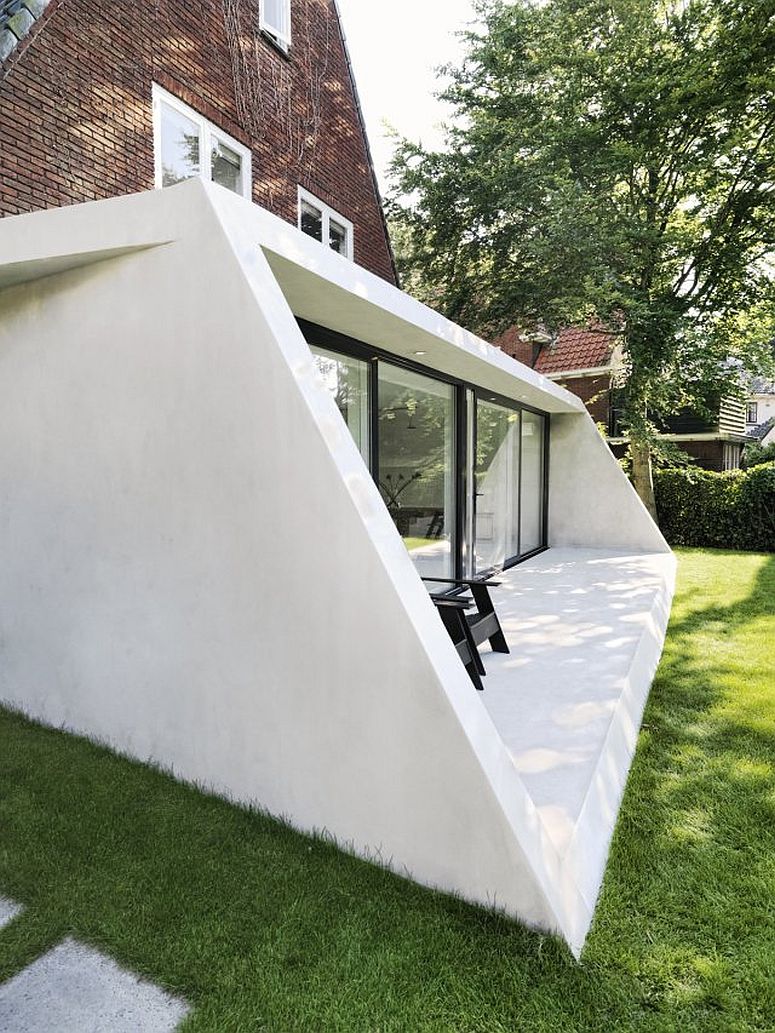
(15, 273)
(325, 288)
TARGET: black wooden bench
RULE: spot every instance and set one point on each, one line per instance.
(452, 612)
(483, 625)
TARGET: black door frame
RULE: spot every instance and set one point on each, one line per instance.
(464, 494)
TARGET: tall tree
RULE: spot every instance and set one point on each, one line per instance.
(615, 160)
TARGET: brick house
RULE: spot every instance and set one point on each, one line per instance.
(101, 99)
(585, 361)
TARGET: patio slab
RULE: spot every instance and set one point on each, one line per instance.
(585, 630)
(9, 909)
(75, 989)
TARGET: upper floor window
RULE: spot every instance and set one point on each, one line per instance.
(752, 412)
(187, 145)
(320, 221)
(275, 20)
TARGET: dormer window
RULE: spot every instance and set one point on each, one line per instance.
(275, 21)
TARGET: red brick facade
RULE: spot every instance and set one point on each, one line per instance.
(595, 393)
(76, 116)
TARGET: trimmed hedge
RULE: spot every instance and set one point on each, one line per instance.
(734, 510)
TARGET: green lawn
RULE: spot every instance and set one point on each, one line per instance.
(263, 929)
(418, 543)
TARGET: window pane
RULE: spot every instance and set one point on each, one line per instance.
(179, 146)
(348, 381)
(496, 527)
(416, 475)
(531, 522)
(226, 167)
(311, 220)
(277, 18)
(337, 237)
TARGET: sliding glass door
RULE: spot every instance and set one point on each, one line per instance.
(347, 379)
(496, 507)
(416, 467)
(462, 472)
(532, 503)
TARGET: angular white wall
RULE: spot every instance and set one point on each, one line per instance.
(198, 568)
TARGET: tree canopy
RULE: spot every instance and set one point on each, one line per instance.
(608, 159)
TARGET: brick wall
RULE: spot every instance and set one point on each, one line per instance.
(76, 118)
(594, 393)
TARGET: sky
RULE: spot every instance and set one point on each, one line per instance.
(394, 60)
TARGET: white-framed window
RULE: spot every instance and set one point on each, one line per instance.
(186, 144)
(274, 18)
(320, 221)
(752, 412)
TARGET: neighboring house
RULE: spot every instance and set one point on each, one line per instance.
(105, 99)
(583, 360)
(760, 411)
(586, 361)
(229, 451)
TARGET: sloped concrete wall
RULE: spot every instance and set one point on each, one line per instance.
(198, 570)
(591, 502)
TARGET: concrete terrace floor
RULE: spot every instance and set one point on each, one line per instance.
(584, 629)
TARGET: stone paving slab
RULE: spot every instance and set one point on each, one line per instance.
(75, 989)
(8, 910)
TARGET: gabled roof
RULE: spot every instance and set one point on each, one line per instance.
(16, 19)
(761, 386)
(576, 348)
(760, 432)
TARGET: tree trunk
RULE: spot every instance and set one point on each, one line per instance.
(642, 479)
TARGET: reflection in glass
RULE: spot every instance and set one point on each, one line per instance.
(531, 517)
(311, 220)
(496, 529)
(226, 167)
(416, 473)
(348, 381)
(179, 146)
(337, 237)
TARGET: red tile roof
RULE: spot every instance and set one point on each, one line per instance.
(576, 349)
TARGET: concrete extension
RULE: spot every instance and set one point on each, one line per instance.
(199, 570)
(74, 989)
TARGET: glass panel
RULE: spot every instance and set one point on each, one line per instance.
(496, 530)
(337, 237)
(468, 486)
(226, 167)
(311, 220)
(531, 519)
(277, 18)
(348, 381)
(179, 146)
(416, 470)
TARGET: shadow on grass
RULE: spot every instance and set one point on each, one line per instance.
(262, 928)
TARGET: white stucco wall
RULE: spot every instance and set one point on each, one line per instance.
(198, 568)
(591, 502)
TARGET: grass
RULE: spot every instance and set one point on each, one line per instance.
(418, 543)
(261, 928)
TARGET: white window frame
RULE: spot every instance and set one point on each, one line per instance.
(208, 133)
(281, 34)
(328, 213)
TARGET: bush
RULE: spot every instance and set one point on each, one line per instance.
(755, 454)
(734, 510)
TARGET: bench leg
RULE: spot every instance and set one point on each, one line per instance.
(483, 600)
